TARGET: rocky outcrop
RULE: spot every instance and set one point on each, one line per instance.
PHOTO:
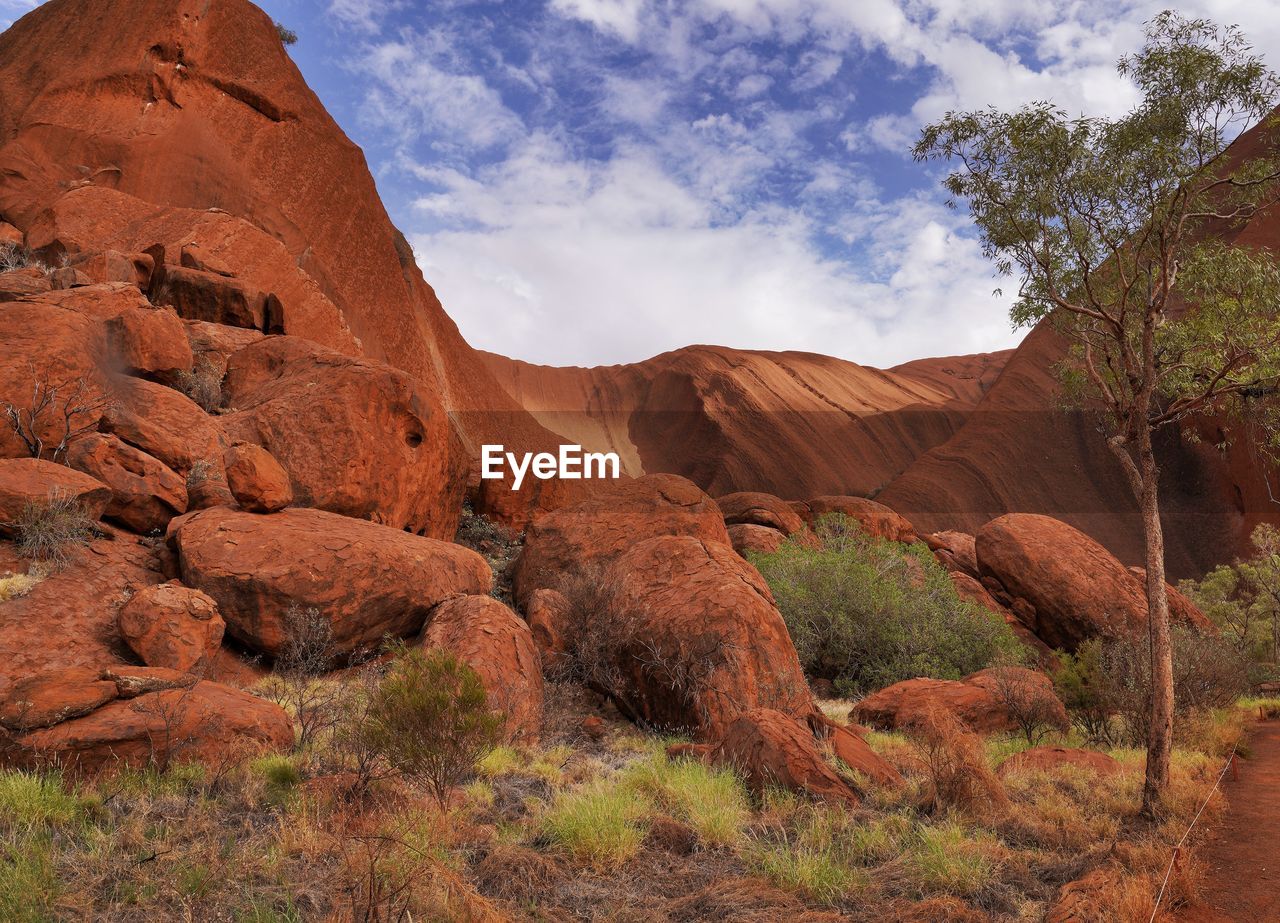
(1049, 759)
(26, 481)
(367, 580)
(149, 341)
(256, 479)
(971, 590)
(588, 535)
(145, 493)
(493, 641)
(548, 616)
(768, 748)
(163, 423)
(356, 437)
(761, 510)
(876, 519)
(173, 626)
(748, 539)
(955, 551)
(691, 638)
(205, 722)
(976, 700)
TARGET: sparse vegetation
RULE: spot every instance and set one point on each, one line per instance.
(865, 613)
(499, 545)
(57, 412)
(203, 384)
(429, 718)
(15, 586)
(13, 257)
(49, 530)
(287, 36)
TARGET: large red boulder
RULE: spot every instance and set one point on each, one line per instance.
(493, 641)
(214, 298)
(955, 551)
(1069, 587)
(256, 479)
(769, 748)
(875, 518)
(163, 423)
(21, 283)
(590, 534)
(690, 638)
(748, 539)
(760, 509)
(113, 266)
(213, 345)
(50, 698)
(25, 481)
(977, 700)
(145, 493)
(204, 722)
(149, 341)
(854, 752)
(173, 626)
(368, 580)
(357, 437)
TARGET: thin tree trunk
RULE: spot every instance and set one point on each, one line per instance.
(1160, 731)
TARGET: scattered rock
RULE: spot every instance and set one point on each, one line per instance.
(495, 643)
(973, 700)
(955, 551)
(770, 749)
(368, 580)
(170, 625)
(149, 341)
(29, 480)
(1047, 759)
(146, 493)
(256, 479)
(855, 753)
(588, 535)
(747, 538)
(50, 698)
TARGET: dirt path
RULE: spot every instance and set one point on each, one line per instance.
(1241, 857)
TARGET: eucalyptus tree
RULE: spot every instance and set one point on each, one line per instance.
(1116, 231)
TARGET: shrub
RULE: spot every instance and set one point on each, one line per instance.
(1033, 707)
(711, 801)
(1079, 683)
(287, 36)
(499, 545)
(866, 613)
(307, 654)
(429, 718)
(48, 530)
(15, 586)
(13, 256)
(203, 384)
(956, 773)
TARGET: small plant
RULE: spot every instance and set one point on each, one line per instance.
(956, 774)
(203, 384)
(1032, 705)
(48, 530)
(296, 685)
(499, 546)
(600, 823)
(15, 586)
(287, 36)
(13, 256)
(711, 801)
(429, 718)
(56, 414)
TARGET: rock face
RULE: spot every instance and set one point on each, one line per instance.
(769, 748)
(760, 510)
(256, 479)
(204, 722)
(163, 423)
(876, 519)
(548, 616)
(356, 437)
(1070, 587)
(172, 626)
(145, 493)
(591, 533)
(149, 341)
(759, 539)
(695, 638)
(28, 480)
(955, 551)
(367, 580)
(493, 641)
(975, 700)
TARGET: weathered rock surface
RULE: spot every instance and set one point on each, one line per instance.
(256, 479)
(748, 538)
(172, 626)
(1047, 759)
(695, 638)
(47, 699)
(955, 551)
(759, 509)
(973, 591)
(548, 615)
(875, 518)
(214, 299)
(368, 580)
(357, 437)
(494, 642)
(769, 748)
(25, 481)
(204, 723)
(145, 493)
(588, 535)
(163, 423)
(974, 700)
(149, 341)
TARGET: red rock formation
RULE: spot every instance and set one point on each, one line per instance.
(875, 518)
(955, 551)
(747, 538)
(748, 508)
(768, 748)
(973, 700)
(493, 641)
(1047, 759)
(145, 493)
(367, 580)
(256, 479)
(173, 626)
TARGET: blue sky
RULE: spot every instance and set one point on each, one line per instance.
(597, 181)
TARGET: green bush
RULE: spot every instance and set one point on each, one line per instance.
(865, 613)
(429, 719)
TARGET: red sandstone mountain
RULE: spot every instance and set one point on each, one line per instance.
(140, 122)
